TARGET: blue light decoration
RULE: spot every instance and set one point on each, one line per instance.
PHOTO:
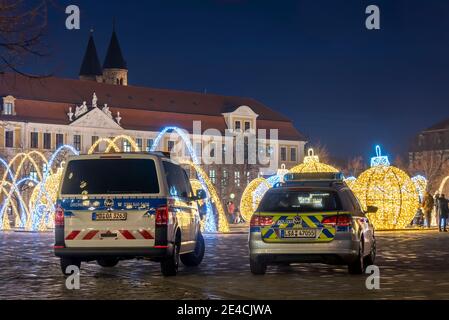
(379, 160)
(210, 224)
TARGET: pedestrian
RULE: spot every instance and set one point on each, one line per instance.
(231, 210)
(427, 207)
(237, 219)
(443, 213)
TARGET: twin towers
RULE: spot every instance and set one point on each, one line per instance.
(114, 69)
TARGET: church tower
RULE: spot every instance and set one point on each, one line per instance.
(91, 67)
(115, 69)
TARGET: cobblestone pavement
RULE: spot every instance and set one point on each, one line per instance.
(414, 265)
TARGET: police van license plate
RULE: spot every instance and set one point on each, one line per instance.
(300, 233)
(109, 216)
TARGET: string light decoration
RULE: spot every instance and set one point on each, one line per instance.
(421, 185)
(389, 189)
(350, 181)
(312, 164)
(249, 203)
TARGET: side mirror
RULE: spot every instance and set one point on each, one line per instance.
(372, 209)
(201, 194)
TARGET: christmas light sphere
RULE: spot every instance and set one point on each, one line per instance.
(421, 185)
(389, 189)
(350, 182)
(312, 164)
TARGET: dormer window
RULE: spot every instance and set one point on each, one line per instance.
(8, 106)
(237, 125)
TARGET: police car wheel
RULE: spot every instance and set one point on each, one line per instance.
(371, 258)
(257, 266)
(107, 263)
(194, 259)
(67, 262)
(169, 266)
(358, 266)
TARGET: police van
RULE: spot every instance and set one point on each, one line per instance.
(114, 207)
(311, 218)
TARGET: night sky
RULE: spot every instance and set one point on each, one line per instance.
(313, 60)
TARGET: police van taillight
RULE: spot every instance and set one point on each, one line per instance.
(162, 216)
(59, 216)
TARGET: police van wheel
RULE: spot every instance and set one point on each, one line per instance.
(107, 263)
(194, 259)
(257, 266)
(169, 266)
(358, 266)
(67, 262)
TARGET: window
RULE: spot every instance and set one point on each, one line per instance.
(94, 140)
(213, 176)
(126, 146)
(177, 180)
(170, 146)
(139, 144)
(9, 139)
(149, 145)
(33, 174)
(8, 109)
(283, 154)
(293, 155)
(111, 176)
(77, 142)
(237, 125)
(300, 201)
(224, 178)
(34, 143)
(237, 178)
(59, 140)
(47, 141)
(247, 125)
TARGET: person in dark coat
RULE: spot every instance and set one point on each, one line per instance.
(443, 213)
(427, 207)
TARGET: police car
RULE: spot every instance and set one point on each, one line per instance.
(114, 207)
(311, 218)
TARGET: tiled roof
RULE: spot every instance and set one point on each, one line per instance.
(48, 100)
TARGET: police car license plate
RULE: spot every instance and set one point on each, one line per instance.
(110, 216)
(300, 233)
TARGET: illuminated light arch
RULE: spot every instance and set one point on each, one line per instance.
(109, 143)
(442, 185)
(126, 138)
(312, 164)
(421, 185)
(389, 189)
(204, 180)
(210, 224)
(248, 203)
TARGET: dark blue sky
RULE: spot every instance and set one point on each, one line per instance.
(313, 60)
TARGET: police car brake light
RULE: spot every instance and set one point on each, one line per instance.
(59, 216)
(162, 216)
(261, 221)
(338, 220)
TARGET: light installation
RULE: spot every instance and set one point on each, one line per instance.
(389, 189)
(212, 197)
(249, 203)
(312, 164)
(36, 214)
(350, 181)
(421, 185)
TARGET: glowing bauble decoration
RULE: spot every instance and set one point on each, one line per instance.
(312, 164)
(389, 189)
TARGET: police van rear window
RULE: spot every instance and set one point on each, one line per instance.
(110, 176)
(300, 201)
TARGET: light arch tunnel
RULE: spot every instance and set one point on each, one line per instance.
(29, 197)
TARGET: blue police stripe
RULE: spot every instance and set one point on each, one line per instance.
(327, 233)
(269, 233)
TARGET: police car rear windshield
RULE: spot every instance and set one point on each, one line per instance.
(110, 176)
(300, 201)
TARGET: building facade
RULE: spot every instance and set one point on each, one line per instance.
(44, 114)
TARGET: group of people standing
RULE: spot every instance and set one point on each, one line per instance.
(440, 204)
(233, 212)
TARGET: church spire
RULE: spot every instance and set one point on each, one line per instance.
(91, 67)
(115, 68)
